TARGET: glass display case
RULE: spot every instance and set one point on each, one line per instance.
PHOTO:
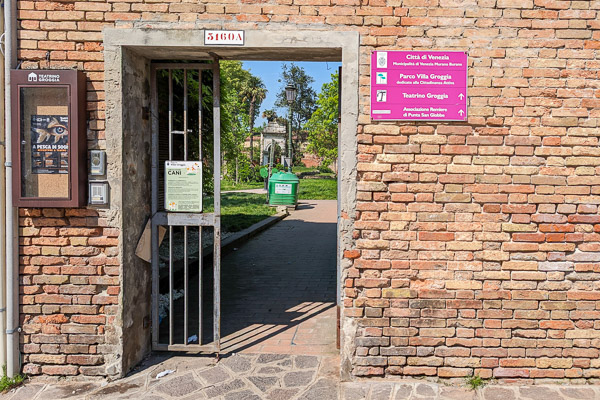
(49, 138)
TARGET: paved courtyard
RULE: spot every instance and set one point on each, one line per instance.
(279, 288)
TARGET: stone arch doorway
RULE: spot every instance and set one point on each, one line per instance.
(128, 56)
(273, 135)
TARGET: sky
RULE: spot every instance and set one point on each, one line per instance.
(270, 72)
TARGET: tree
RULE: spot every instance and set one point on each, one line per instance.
(234, 115)
(235, 118)
(322, 126)
(253, 92)
(304, 105)
(270, 115)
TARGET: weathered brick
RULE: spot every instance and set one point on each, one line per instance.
(480, 234)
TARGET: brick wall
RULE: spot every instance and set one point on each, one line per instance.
(69, 291)
(477, 246)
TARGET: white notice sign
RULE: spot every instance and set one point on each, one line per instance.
(183, 186)
(283, 188)
(235, 38)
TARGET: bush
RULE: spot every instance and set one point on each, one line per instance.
(324, 170)
(7, 383)
(475, 382)
(246, 172)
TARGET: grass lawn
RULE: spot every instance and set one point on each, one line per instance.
(317, 189)
(299, 169)
(229, 185)
(241, 210)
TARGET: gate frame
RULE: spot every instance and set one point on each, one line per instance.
(171, 219)
(149, 43)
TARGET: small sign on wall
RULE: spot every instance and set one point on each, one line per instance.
(183, 186)
(419, 85)
(235, 38)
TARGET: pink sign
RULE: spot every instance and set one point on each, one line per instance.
(419, 85)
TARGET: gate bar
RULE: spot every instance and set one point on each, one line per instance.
(200, 258)
(170, 227)
(154, 210)
(185, 228)
(217, 203)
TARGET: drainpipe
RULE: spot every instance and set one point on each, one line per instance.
(2, 217)
(12, 243)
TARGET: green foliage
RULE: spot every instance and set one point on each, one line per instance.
(241, 96)
(253, 92)
(7, 383)
(475, 382)
(245, 171)
(322, 126)
(317, 189)
(234, 111)
(269, 114)
(324, 169)
(304, 105)
(193, 137)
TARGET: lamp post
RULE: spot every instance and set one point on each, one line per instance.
(290, 94)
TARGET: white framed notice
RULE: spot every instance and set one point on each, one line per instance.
(183, 186)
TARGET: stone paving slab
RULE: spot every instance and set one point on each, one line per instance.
(277, 377)
(419, 390)
(237, 377)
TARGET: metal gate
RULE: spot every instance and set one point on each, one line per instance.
(163, 220)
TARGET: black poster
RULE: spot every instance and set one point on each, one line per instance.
(49, 144)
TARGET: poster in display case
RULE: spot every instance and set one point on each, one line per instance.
(49, 138)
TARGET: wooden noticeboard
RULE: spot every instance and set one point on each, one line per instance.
(49, 138)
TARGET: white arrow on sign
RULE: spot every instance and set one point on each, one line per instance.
(461, 112)
(461, 96)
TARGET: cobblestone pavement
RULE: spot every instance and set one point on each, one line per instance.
(238, 377)
(276, 377)
(419, 390)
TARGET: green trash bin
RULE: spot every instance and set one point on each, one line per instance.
(283, 189)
